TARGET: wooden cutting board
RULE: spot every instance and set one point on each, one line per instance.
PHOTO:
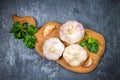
(80, 69)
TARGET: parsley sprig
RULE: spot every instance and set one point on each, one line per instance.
(91, 44)
(25, 32)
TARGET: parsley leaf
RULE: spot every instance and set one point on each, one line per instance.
(25, 32)
(29, 41)
(18, 31)
(94, 48)
(92, 41)
(32, 30)
(91, 44)
(83, 43)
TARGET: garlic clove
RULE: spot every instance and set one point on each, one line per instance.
(88, 63)
(48, 29)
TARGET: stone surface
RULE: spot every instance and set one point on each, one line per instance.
(20, 63)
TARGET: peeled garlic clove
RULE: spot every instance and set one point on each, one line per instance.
(71, 32)
(53, 48)
(48, 29)
(74, 54)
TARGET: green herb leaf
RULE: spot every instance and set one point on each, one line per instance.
(29, 41)
(25, 26)
(17, 30)
(94, 48)
(91, 44)
(92, 40)
(88, 46)
(16, 27)
(32, 30)
(25, 32)
(83, 43)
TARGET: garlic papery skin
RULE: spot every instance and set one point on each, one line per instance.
(53, 48)
(74, 55)
(71, 32)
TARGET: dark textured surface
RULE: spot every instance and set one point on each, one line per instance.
(20, 63)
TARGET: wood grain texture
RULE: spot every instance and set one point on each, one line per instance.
(95, 57)
(24, 19)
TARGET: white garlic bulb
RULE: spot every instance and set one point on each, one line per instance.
(74, 54)
(53, 48)
(71, 32)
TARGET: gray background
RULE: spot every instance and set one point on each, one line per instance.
(20, 63)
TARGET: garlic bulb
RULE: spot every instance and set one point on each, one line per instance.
(53, 48)
(74, 55)
(71, 32)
